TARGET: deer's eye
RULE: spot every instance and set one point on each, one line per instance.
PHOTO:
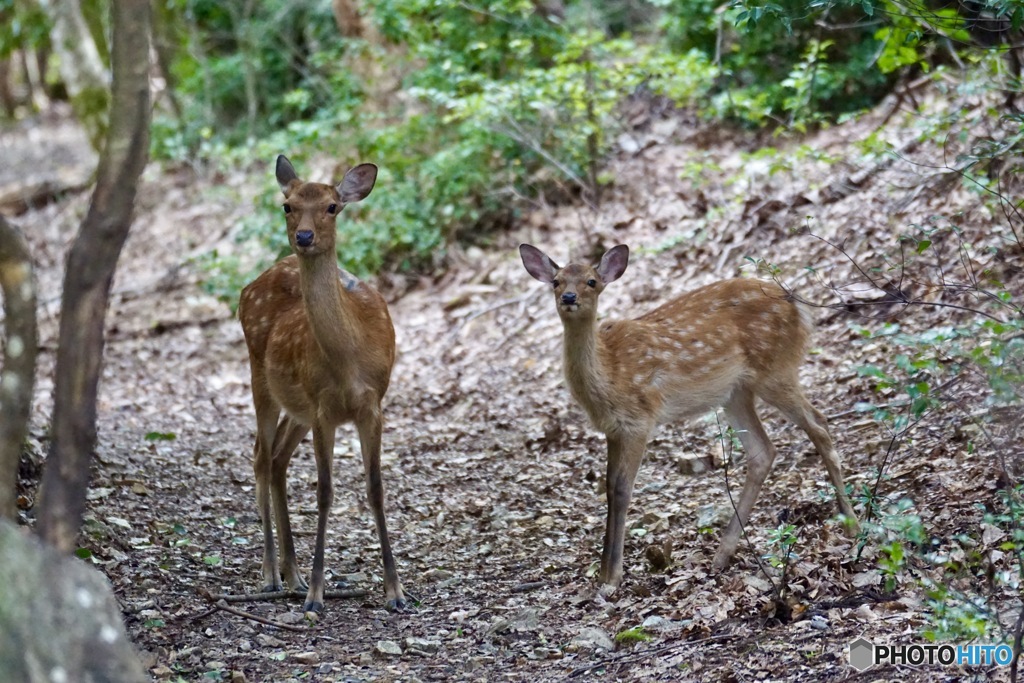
(287, 209)
(591, 282)
(332, 209)
(554, 283)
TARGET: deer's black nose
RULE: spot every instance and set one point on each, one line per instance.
(568, 298)
(304, 238)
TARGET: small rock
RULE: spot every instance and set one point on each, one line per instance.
(388, 648)
(422, 645)
(500, 625)
(244, 646)
(268, 640)
(437, 574)
(474, 663)
(292, 618)
(238, 677)
(526, 619)
(591, 637)
(325, 668)
(306, 657)
(655, 623)
(819, 622)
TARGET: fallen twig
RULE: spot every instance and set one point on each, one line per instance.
(222, 605)
(528, 586)
(283, 595)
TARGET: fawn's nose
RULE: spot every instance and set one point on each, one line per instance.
(569, 298)
(304, 238)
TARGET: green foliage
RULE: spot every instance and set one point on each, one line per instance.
(783, 540)
(631, 636)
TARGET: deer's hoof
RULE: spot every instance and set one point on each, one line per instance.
(397, 604)
(272, 588)
(314, 606)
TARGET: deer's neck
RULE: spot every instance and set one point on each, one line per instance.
(584, 371)
(328, 309)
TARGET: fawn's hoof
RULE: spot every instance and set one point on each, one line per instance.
(272, 588)
(397, 604)
(314, 606)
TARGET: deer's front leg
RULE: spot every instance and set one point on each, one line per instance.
(625, 452)
(323, 449)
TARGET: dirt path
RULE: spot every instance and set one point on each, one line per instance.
(492, 474)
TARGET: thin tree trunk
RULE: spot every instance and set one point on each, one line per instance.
(87, 280)
(18, 372)
(81, 67)
(6, 93)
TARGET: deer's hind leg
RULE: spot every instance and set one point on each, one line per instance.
(790, 400)
(760, 458)
(289, 434)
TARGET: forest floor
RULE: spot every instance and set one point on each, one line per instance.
(493, 474)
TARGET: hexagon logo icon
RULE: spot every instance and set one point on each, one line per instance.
(862, 654)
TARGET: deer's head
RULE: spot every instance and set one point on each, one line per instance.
(311, 209)
(576, 286)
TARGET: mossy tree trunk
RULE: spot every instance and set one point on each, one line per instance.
(18, 373)
(87, 280)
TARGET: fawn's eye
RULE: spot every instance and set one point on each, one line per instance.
(554, 283)
(332, 209)
(591, 282)
(287, 209)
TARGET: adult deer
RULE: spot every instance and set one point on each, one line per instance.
(720, 345)
(321, 348)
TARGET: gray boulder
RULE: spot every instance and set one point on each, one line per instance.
(59, 619)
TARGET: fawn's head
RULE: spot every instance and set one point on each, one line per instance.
(311, 209)
(576, 286)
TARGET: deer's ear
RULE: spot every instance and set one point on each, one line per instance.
(286, 174)
(613, 263)
(537, 263)
(357, 183)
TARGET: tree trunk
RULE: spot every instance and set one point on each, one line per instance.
(166, 38)
(87, 280)
(18, 372)
(346, 16)
(6, 93)
(81, 68)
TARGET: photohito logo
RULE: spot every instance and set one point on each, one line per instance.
(865, 654)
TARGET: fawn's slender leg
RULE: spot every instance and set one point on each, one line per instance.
(792, 403)
(370, 427)
(625, 453)
(289, 434)
(267, 412)
(760, 457)
(323, 451)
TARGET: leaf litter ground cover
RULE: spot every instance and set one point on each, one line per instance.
(493, 477)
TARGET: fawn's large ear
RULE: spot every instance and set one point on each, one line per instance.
(285, 174)
(613, 263)
(537, 263)
(357, 183)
